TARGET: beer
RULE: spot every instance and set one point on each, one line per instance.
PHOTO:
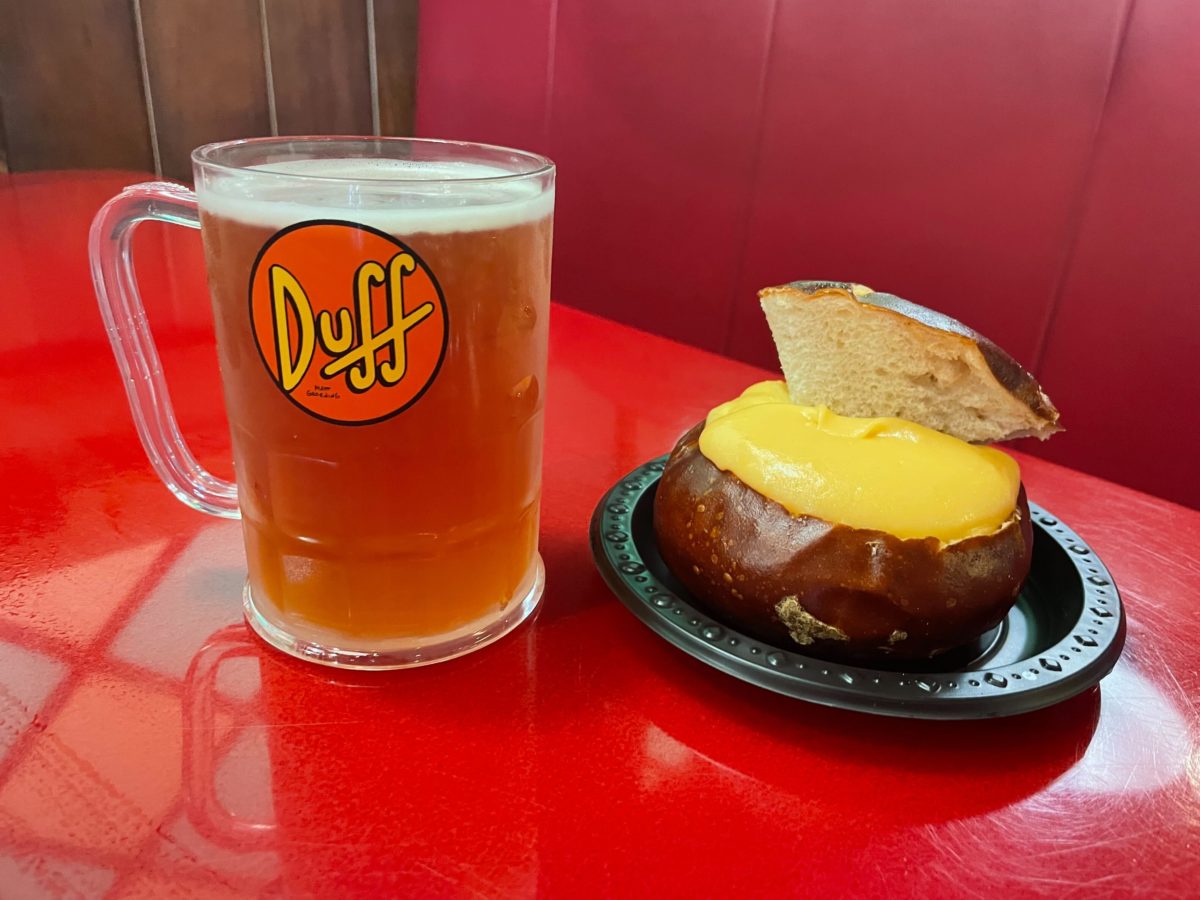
(385, 393)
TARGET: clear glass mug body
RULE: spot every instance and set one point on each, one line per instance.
(381, 311)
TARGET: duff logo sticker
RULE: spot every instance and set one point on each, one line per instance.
(350, 323)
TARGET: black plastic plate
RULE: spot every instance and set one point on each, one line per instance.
(1064, 634)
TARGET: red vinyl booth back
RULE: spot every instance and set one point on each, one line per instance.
(1030, 168)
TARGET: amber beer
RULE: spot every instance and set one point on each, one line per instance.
(385, 393)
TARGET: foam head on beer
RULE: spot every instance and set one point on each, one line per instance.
(406, 196)
(385, 388)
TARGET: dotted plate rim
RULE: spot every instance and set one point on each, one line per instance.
(1086, 653)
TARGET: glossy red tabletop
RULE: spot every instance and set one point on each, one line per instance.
(151, 747)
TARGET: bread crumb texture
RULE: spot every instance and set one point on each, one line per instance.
(865, 360)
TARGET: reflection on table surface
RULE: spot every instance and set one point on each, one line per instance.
(183, 752)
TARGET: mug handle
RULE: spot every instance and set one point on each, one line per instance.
(110, 251)
(204, 807)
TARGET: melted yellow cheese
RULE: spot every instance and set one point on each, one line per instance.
(883, 474)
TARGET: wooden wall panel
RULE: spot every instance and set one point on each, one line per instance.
(395, 63)
(321, 66)
(71, 85)
(3, 145)
(75, 76)
(206, 83)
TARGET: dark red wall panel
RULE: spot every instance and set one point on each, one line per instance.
(653, 122)
(1024, 166)
(932, 148)
(482, 70)
(651, 115)
(1123, 348)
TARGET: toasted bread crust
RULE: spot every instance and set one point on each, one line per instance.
(1007, 372)
(1015, 378)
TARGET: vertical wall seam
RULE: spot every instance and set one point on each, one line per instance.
(1079, 207)
(551, 58)
(739, 268)
(147, 92)
(415, 45)
(373, 66)
(266, 45)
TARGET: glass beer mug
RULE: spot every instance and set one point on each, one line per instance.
(381, 311)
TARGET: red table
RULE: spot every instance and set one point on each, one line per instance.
(151, 747)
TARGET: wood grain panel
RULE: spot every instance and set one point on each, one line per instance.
(71, 83)
(396, 63)
(207, 77)
(320, 65)
(3, 144)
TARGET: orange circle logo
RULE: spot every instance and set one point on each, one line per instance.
(349, 321)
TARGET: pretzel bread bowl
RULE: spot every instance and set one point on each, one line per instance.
(854, 513)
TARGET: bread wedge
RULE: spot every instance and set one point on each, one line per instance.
(864, 353)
